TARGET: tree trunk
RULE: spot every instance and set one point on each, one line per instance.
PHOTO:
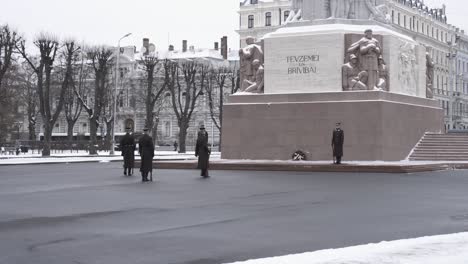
(183, 127)
(93, 136)
(47, 139)
(70, 125)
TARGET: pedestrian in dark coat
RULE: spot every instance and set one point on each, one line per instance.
(127, 145)
(175, 145)
(337, 143)
(202, 151)
(146, 149)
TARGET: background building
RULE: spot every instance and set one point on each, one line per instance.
(131, 92)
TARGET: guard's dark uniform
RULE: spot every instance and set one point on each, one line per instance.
(337, 144)
(202, 151)
(127, 145)
(146, 149)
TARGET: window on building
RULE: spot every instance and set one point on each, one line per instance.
(286, 15)
(427, 31)
(268, 19)
(399, 19)
(422, 28)
(253, 2)
(251, 21)
(404, 21)
(167, 129)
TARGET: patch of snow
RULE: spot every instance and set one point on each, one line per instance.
(442, 249)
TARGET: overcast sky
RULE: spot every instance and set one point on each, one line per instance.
(201, 22)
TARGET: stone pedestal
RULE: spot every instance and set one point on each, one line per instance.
(377, 125)
(308, 58)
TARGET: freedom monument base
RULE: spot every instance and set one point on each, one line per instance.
(309, 75)
(378, 125)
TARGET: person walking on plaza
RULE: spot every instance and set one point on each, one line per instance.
(127, 145)
(146, 149)
(175, 145)
(202, 151)
(337, 143)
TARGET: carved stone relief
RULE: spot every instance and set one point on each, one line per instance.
(407, 72)
(429, 76)
(366, 69)
(251, 67)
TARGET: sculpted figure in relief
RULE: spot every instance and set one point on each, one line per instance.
(247, 56)
(368, 50)
(429, 76)
(383, 75)
(256, 86)
(296, 12)
(353, 79)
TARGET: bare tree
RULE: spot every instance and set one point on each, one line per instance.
(28, 92)
(10, 99)
(9, 39)
(99, 58)
(78, 82)
(217, 88)
(154, 90)
(48, 98)
(185, 94)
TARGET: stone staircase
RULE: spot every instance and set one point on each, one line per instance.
(442, 147)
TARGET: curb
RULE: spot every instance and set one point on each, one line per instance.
(267, 166)
(184, 164)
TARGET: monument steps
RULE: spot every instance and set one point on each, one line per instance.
(447, 147)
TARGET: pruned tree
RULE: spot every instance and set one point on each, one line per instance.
(216, 89)
(50, 100)
(78, 82)
(10, 100)
(155, 88)
(9, 39)
(29, 97)
(234, 77)
(185, 92)
(99, 59)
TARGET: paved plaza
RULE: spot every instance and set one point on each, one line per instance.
(90, 214)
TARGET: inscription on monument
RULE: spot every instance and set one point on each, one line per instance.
(302, 64)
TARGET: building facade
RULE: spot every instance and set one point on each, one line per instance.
(447, 44)
(130, 107)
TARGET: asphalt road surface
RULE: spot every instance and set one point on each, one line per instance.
(91, 214)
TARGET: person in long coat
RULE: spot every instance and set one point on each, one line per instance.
(202, 151)
(146, 149)
(127, 145)
(337, 143)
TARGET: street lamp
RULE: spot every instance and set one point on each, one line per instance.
(117, 73)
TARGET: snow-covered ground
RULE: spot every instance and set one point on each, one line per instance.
(67, 157)
(83, 156)
(442, 249)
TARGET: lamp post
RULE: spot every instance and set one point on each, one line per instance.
(452, 57)
(117, 73)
